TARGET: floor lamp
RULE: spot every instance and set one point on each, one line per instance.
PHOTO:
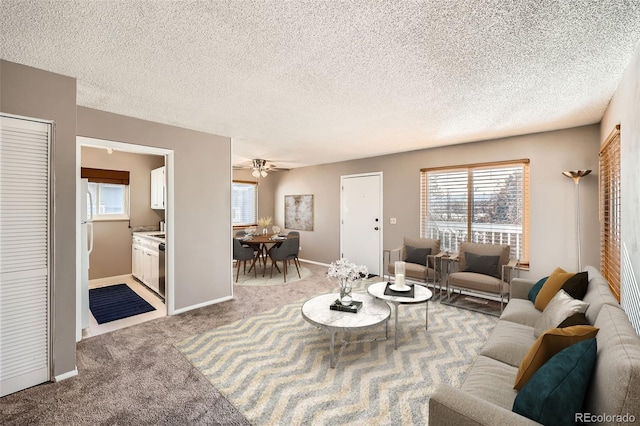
(576, 175)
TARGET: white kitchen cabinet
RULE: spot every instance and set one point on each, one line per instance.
(158, 188)
(137, 254)
(145, 261)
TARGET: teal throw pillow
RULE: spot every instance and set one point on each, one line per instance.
(533, 293)
(554, 394)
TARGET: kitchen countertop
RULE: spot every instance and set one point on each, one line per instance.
(151, 235)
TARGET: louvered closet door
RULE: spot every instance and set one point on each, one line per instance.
(24, 254)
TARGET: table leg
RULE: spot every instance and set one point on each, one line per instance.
(332, 362)
(426, 319)
(395, 334)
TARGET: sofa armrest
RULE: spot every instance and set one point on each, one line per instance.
(520, 288)
(450, 406)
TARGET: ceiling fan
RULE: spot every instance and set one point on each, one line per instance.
(260, 167)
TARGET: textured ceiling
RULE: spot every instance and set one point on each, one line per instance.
(310, 82)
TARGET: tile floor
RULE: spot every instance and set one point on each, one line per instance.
(148, 295)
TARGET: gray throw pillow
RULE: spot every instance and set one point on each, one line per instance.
(480, 264)
(417, 255)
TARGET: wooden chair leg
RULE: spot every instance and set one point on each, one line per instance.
(284, 268)
(272, 263)
(295, 262)
(238, 272)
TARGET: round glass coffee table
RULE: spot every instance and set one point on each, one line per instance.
(372, 313)
(421, 295)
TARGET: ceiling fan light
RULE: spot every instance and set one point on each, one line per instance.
(255, 173)
(263, 173)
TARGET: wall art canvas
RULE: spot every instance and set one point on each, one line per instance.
(298, 212)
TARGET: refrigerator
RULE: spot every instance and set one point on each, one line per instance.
(86, 241)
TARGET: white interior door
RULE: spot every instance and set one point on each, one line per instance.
(361, 220)
(24, 254)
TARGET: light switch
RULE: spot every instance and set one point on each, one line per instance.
(392, 221)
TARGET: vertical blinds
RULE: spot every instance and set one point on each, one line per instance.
(485, 203)
(609, 169)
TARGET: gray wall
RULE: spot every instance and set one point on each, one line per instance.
(553, 239)
(111, 255)
(202, 197)
(624, 109)
(39, 94)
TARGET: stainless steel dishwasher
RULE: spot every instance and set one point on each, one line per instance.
(161, 273)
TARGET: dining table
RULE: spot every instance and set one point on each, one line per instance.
(262, 243)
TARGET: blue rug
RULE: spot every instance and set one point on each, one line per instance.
(116, 302)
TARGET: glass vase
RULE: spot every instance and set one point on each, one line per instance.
(345, 292)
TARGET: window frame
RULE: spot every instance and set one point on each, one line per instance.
(104, 217)
(610, 202)
(255, 209)
(469, 169)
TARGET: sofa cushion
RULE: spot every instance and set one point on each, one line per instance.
(575, 319)
(547, 345)
(480, 264)
(417, 255)
(556, 392)
(492, 381)
(561, 307)
(555, 281)
(509, 343)
(520, 311)
(598, 294)
(577, 285)
(533, 293)
(478, 282)
(615, 383)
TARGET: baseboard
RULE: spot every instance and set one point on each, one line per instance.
(110, 280)
(66, 375)
(201, 305)
(314, 262)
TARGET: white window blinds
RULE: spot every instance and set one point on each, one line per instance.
(484, 203)
(244, 203)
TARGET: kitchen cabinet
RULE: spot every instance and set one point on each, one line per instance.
(158, 188)
(145, 261)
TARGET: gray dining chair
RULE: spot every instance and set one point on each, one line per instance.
(242, 254)
(285, 252)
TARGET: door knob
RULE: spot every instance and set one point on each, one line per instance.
(376, 228)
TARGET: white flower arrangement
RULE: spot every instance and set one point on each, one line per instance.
(265, 221)
(347, 271)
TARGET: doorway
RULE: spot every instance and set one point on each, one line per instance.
(116, 233)
(361, 220)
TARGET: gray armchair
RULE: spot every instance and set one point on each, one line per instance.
(419, 255)
(482, 268)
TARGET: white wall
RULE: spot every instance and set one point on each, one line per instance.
(624, 109)
(553, 239)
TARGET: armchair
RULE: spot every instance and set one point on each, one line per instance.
(482, 268)
(420, 256)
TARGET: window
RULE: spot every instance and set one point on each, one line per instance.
(110, 201)
(244, 203)
(609, 170)
(482, 203)
(109, 192)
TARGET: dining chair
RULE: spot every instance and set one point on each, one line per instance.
(287, 251)
(243, 254)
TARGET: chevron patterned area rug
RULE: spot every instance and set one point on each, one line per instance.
(274, 367)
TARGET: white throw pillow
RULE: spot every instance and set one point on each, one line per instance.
(560, 307)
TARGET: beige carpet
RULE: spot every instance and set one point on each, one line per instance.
(274, 367)
(278, 279)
